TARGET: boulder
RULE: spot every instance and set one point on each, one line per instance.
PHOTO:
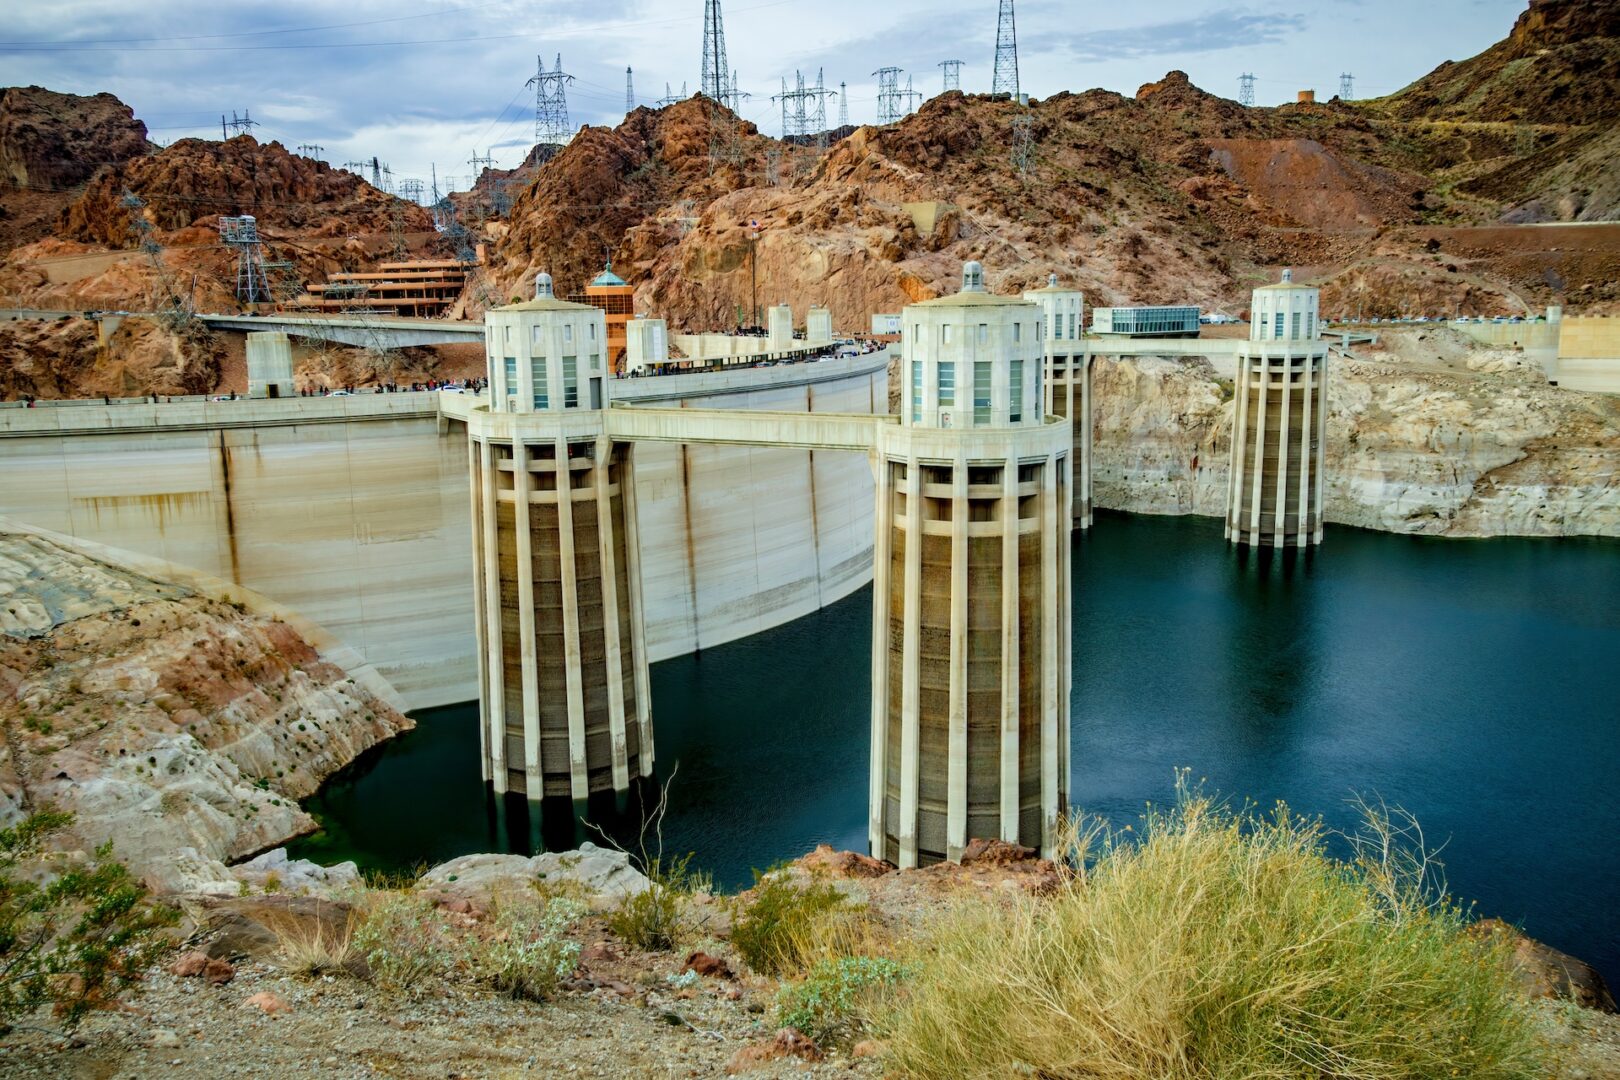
(1544, 972)
(786, 1043)
(275, 872)
(604, 876)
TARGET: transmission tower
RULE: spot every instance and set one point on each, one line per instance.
(411, 188)
(911, 97)
(236, 125)
(1023, 141)
(713, 81)
(629, 93)
(1006, 80)
(551, 125)
(804, 109)
(1347, 87)
(242, 233)
(179, 310)
(356, 167)
(843, 105)
(1246, 90)
(388, 179)
(888, 98)
(773, 162)
(311, 150)
(671, 98)
(734, 103)
(953, 75)
(479, 164)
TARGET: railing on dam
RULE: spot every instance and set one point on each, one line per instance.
(747, 427)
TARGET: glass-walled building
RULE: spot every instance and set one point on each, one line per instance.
(1146, 321)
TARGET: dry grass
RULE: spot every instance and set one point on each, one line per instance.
(310, 947)
(1216, 945)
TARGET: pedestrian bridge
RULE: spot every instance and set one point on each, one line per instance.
(380, 332)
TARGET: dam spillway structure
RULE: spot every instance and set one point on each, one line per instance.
(1274, 494)
(565, 707)
(971, 587)
(1067, 379)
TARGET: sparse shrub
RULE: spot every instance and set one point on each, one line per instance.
(1216, 944)
(403, 940)
(836, 999)
(75, 940)
(528, 951)
(652, 919)
(770, 931)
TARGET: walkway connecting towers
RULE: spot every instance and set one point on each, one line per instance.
(978, 483)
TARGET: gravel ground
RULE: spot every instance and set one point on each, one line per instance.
(337, 1026)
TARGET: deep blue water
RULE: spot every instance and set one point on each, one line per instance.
(1474, 682)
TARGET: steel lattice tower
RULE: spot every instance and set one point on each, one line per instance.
(888, 99)
(1246, 90)
(670, 97)
(953, 75)
(242, 233)
(629, 93)
(843, 105)
(1006, 80)
(1347, 87)
(713, 81)
(551, 103)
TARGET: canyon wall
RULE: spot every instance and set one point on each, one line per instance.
(176, 716)
(1462, 442)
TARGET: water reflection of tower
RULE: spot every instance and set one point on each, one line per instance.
(1273, 660)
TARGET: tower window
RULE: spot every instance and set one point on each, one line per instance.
(1278, 331)
(916, 391)
(570, 373)
(947, 385)
(1016, 409)
(981, 392)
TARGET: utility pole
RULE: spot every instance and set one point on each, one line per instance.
(953, 75)
(1246, 90)
(1006, 78)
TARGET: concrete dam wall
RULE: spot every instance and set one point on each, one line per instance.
(355, 512)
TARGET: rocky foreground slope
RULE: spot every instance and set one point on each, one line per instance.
(1426, 433)
(179, 726)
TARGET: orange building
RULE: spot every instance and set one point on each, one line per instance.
(617, 300)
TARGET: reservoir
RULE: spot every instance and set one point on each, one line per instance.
(1475, 683)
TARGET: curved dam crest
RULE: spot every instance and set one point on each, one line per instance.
(355, 512)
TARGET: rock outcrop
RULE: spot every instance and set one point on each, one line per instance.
(1467, 442)
(68, 358)
(196, 180)
(51, 141)
(180, 727)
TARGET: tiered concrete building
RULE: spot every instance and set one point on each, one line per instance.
(970, 641)
(1274, 497)
(1068, 379)
(564, 696)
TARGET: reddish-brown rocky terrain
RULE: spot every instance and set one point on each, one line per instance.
(49, 144)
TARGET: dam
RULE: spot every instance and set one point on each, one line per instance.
(354, 510)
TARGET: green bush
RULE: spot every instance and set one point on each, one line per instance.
(1217, 944)
(76, 939)
(652, 919)
(771, 930)
(528, 952)
(835, 1001)
(403, 939)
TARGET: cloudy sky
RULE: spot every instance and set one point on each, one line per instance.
(420, 83)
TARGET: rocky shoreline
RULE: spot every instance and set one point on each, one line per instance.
(180, 722)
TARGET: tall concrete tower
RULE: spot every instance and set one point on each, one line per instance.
(970, 602)
(563, 684)
(1067, 369)
(1274, 497)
